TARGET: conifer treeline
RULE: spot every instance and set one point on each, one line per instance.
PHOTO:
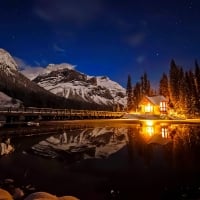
(181, 87)
(184, 89)
(137, 91)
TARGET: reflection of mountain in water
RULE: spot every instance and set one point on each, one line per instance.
(87, 143)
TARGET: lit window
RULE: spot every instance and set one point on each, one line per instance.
(148, 108)
(163, 106)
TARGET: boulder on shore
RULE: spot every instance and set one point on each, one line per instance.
(47, 196)
(4, 195)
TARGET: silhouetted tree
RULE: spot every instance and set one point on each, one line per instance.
(194, 96)
(188, 92)
(137, 95)
(174, 82)
(129, 93)
(145, 85)
(163, 87)
(197, 79)
(182, 91)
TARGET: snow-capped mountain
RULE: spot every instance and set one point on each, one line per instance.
(73, 89)
(7, 63)
(65, 81)
(91, 143)
(16, 86)
(33, 72)
(7, 101)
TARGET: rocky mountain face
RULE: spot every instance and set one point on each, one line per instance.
(7, 63)
(73, 89)
(7, 101)
(17, 86)
(63, 80)
(89, 143)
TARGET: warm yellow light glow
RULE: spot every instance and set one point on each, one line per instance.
(163, 106)
(149, 123)
(164, 124)
(164, 132)
(148, 108)
(150, 130)
(149, 127)
(132, 112)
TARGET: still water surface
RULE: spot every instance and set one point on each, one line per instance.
(147, 160)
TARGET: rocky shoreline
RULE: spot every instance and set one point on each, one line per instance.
(10, 191)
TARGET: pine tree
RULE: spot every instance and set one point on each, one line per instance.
(129, 93)
(137, 95)
(188, 92)
(163, 87)
(145, 85)
(142, 85)
(197, 80)
(174, 83)
(194, 96)
(182, 93)
(148, 89)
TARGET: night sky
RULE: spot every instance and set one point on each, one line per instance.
(103, 37)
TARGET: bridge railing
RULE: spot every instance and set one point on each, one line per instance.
(71, 112)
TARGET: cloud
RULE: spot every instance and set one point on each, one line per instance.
(121, 24)
(21, 63)
(58, 49)
(37, 63)
(140, 59)
(78, 12)
(136, 39)
(27, 70)
(32, 72)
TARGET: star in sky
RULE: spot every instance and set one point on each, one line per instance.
(103, 37)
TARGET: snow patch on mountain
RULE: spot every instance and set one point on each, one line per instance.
(6, 101)
(56, 67)
(91, 143)
(7, 63)
(103, 91)
(63, 80)
(33, 72)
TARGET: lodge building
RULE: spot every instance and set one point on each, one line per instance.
(153, 105)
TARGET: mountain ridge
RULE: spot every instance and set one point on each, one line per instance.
(60, 86)
(67, 82)
(17, 86)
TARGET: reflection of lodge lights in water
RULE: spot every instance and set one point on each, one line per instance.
(150, 130)
(149, 123)
(149, 127)
(164, 132)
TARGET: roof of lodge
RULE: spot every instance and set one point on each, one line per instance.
(156, 99)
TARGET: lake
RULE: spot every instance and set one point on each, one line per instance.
(143, 160)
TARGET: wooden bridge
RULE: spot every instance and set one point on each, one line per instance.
(31, 113)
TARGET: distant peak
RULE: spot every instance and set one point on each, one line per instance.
(3, 50)
(104, 77)
(56, 67)
(6, 58)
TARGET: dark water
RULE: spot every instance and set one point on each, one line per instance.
(140, 161)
